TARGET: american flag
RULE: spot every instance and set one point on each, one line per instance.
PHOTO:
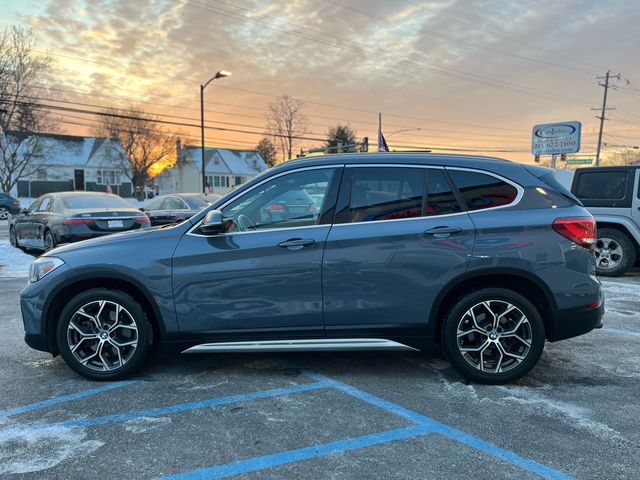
(382, 143)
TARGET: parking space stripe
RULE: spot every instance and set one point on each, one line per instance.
(621, 331)
(425, 426)
(183, 407)
(65, 398)
(290, 456)
(444, 429)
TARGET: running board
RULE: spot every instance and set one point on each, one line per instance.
(320, 345)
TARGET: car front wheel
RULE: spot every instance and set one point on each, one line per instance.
(104, 334)
(493, 335)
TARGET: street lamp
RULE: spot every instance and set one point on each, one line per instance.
(404, 130)
(219, 74)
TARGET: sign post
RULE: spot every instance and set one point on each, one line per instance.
(555, 139)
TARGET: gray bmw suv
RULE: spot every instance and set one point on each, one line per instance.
(484, 257)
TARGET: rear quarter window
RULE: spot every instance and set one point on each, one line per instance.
(481, 191)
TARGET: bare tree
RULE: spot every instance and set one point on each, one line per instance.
(139, 141)
(22, 73)
(286, 122)
(268, 151)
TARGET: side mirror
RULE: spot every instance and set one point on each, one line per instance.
(141, 209)
(24, 211)
(212, 223)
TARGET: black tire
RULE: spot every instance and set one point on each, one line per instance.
(532, 329)
(132, 309)
(608, 237)
(49, 240)
(13, 240)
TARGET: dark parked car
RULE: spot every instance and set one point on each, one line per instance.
(71, 216)
(177, 207)
(484, 257)
(8, 206)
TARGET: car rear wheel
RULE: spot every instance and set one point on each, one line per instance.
(493, 335)
(104, 334)
(4, 213)
(49, 241)
(615, 253)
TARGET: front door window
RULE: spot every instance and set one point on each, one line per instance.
(292, 200)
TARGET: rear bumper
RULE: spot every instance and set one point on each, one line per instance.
(573, 322)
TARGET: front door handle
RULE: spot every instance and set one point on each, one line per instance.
(296, 243)
(443, 232)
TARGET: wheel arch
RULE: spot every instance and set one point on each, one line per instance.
(64, 292)
(623, 228)
(523, 282)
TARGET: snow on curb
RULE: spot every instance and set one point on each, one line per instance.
(13, 262)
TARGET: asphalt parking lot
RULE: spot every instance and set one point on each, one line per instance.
(327, 415)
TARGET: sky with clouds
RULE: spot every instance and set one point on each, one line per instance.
(461, 74)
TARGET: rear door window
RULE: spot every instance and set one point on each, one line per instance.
(481, 191)
(602, 185)
(382, 193)
(440, 197)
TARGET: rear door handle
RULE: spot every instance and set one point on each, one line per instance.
(443, 232)
(296, 243)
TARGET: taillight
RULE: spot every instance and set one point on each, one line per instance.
(276, 207)
(78, 221)
(579, 230)
(141, 219)
(16, 202)
(313, 208)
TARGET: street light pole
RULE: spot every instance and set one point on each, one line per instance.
(219, 74)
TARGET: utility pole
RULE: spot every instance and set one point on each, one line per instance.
(606, 85)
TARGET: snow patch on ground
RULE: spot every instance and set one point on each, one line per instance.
(24, 450)
(574, 415)
(13, 261)
(144, 424)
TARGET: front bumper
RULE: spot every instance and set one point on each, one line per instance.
(33, 305)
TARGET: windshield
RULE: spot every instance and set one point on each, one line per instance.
(82, 202)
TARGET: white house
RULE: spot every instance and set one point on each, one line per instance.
(68, 162)
(224, 169)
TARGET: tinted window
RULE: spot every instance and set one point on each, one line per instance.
(283, 202)
(386, 193)
(198, 202)
(173, 203)
(79, 202)
(154, 204)
(45, 205)
(440, 197)
(482, 191)
(602, 185)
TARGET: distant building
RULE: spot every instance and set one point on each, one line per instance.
(69, 162)
(224, 168)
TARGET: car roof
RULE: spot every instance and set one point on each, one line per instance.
(608, 167)
(79, 193)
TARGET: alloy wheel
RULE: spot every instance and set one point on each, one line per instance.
(609, 253)
(494, 336)
(49, 243)
(4, 213)
(102, 335)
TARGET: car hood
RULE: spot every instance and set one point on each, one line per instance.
(110, 239)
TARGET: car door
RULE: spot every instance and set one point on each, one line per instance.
(40, 219)
(399, 236)
(635, 211)
(23, 224)
(263, 275)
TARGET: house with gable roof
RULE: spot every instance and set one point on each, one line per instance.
(225, 169)
(69, 162)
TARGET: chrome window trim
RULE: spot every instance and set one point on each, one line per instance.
(268, 179)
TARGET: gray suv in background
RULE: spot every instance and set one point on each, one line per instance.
(484, 257)
(612, 196)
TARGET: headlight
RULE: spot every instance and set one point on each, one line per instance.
(41, 266)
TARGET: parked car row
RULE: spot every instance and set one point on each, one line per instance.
(68, 217)
(8, 206)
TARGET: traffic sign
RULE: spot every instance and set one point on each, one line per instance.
(556, 138)
(579, 161)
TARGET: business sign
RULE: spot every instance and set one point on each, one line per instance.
(556, 138)
(579, 161)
